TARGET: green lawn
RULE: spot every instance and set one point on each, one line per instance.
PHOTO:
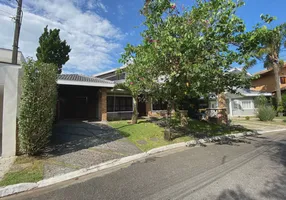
(210, 129)
(145, 135)
(24, 170)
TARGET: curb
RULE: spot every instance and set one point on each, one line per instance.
(23, 187)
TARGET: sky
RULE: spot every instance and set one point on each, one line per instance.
(98, 30)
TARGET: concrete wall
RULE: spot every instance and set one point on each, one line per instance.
(6, 56)
(111, 116)
(11, 101)
(1, 106)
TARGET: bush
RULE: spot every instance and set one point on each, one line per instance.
(266, 113)
(260, 101)
(247, 118)
(37, 106)
(284, 101)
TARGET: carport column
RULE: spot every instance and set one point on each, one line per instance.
(11, 99)
(103, 104)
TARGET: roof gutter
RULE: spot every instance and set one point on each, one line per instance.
(83, 83)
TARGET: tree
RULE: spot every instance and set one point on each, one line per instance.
(134, 87)
(52, 49)
(37, 106)
(190, 50)
(271, 41)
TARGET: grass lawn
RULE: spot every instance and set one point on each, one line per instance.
(145, 135)
(210, 129)
(25, 169)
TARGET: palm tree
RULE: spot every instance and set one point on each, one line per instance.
(272, 40)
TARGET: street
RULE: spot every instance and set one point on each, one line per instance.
(252, 170)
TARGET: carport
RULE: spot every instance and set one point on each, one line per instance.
(82, 98)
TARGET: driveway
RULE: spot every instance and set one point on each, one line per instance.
(78, 145)
(257, 125)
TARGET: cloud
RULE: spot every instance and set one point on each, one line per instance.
(93, 39)
(120, 10)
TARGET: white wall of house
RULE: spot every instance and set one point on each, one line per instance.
(243, 106)
(10, 80)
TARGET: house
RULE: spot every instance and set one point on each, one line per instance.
(119, 102)
(266, 80)
(240, 104)
(10, 92)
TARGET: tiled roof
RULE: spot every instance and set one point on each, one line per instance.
(82, 78)
(266, 70)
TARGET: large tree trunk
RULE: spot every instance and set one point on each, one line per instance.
(167, 132)
(277, 83)
(222, 115)
(135, 110)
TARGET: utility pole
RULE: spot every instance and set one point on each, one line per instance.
(17, 32)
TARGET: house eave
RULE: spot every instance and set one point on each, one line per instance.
(83, 83)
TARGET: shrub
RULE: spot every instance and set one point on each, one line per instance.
(247, 118)
(260, 101)
(37, 106)
(266, 113)
(280, 108)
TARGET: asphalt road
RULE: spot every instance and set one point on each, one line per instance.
(238, 171)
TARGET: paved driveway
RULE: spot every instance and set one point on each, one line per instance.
(77, 145)
(257, 125)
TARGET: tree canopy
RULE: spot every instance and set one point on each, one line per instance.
(271, 41)
(189, 51)
(52, 49)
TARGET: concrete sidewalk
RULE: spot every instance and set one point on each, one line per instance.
(257, 125)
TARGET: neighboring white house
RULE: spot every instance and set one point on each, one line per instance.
(9, 101)
(241, 104)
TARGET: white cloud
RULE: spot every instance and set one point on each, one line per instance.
(120, 9)
(93, 39)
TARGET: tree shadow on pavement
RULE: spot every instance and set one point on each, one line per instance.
(237, 194)
(73, 136)
(274, 188)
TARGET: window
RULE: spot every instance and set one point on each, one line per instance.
(236, 104)
(117, 103)
(116, 77)
(110, 104)
(160, 105)
(283, 80)
(246, 104)
(214, 104)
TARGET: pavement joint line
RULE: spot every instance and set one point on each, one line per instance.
(23, 187)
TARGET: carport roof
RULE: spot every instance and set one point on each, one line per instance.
(82, 80)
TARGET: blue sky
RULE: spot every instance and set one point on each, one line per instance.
(98, 30)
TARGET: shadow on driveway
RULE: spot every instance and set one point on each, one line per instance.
(71, 136)
(75, 145)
